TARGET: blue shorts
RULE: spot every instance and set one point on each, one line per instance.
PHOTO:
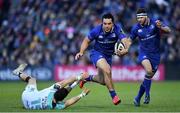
(154, 59)
(95, 56)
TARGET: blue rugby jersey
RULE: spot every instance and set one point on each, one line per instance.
(149, 37)
(104, 42)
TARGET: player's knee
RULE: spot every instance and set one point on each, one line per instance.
(102, 82)
(148, 76)
(107, 72)
(150, 72)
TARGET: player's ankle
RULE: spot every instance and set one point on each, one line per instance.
(79, 77)
(82, 95)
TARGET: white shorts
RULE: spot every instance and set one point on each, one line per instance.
(29, 93)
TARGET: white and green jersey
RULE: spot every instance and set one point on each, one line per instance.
(34, 99)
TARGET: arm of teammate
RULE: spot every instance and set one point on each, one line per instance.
(75, 99)
(84, 46)
(165, 29)
(127, 43)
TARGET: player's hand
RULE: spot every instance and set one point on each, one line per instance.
(121, 52)
(158, 23)
(78, 55)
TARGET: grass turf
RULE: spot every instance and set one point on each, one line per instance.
(165, 97)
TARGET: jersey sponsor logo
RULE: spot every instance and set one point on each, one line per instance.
(148, 37)
(113, 35)
(144, 57)
(100, 56)
(100, 37)
(139, 30)
(107, 42)
(152, 27)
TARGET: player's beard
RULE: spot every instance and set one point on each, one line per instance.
(107, 30)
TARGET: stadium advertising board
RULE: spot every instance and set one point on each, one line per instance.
(119, 73)
(40, 73)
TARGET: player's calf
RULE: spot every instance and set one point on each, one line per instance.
(136, 102)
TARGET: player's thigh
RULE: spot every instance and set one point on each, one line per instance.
(103, 66)
(147, 66)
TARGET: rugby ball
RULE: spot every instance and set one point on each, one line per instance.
(119, 46)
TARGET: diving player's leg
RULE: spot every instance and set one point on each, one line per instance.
(31, 88)
(26, 78)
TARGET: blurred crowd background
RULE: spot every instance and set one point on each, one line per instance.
(49, 32)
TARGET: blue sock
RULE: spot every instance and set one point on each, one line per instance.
(141, 92)
(147, 85)
(90, 78)
(112, 93)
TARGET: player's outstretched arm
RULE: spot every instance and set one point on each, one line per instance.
(75, 99)
(84, 46)
(72, 79)
(165, 29)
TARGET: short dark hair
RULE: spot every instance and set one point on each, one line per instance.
(109, 16)
(60, 94)
(141, 10)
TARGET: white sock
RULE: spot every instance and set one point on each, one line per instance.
(79, 77)
(74, 84)
(81, 95)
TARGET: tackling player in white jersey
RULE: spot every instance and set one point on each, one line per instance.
(52, 97)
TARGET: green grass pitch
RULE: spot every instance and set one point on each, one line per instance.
(165, 97)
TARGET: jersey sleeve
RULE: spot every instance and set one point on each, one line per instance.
(162, 23)
(60, 105)
(133, 33)
(120, 32)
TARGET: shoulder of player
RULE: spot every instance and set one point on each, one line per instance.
(118, 28)
(153, 20)
(135, 27)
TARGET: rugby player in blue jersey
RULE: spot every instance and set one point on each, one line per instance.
(148, 32)
(105, 36)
